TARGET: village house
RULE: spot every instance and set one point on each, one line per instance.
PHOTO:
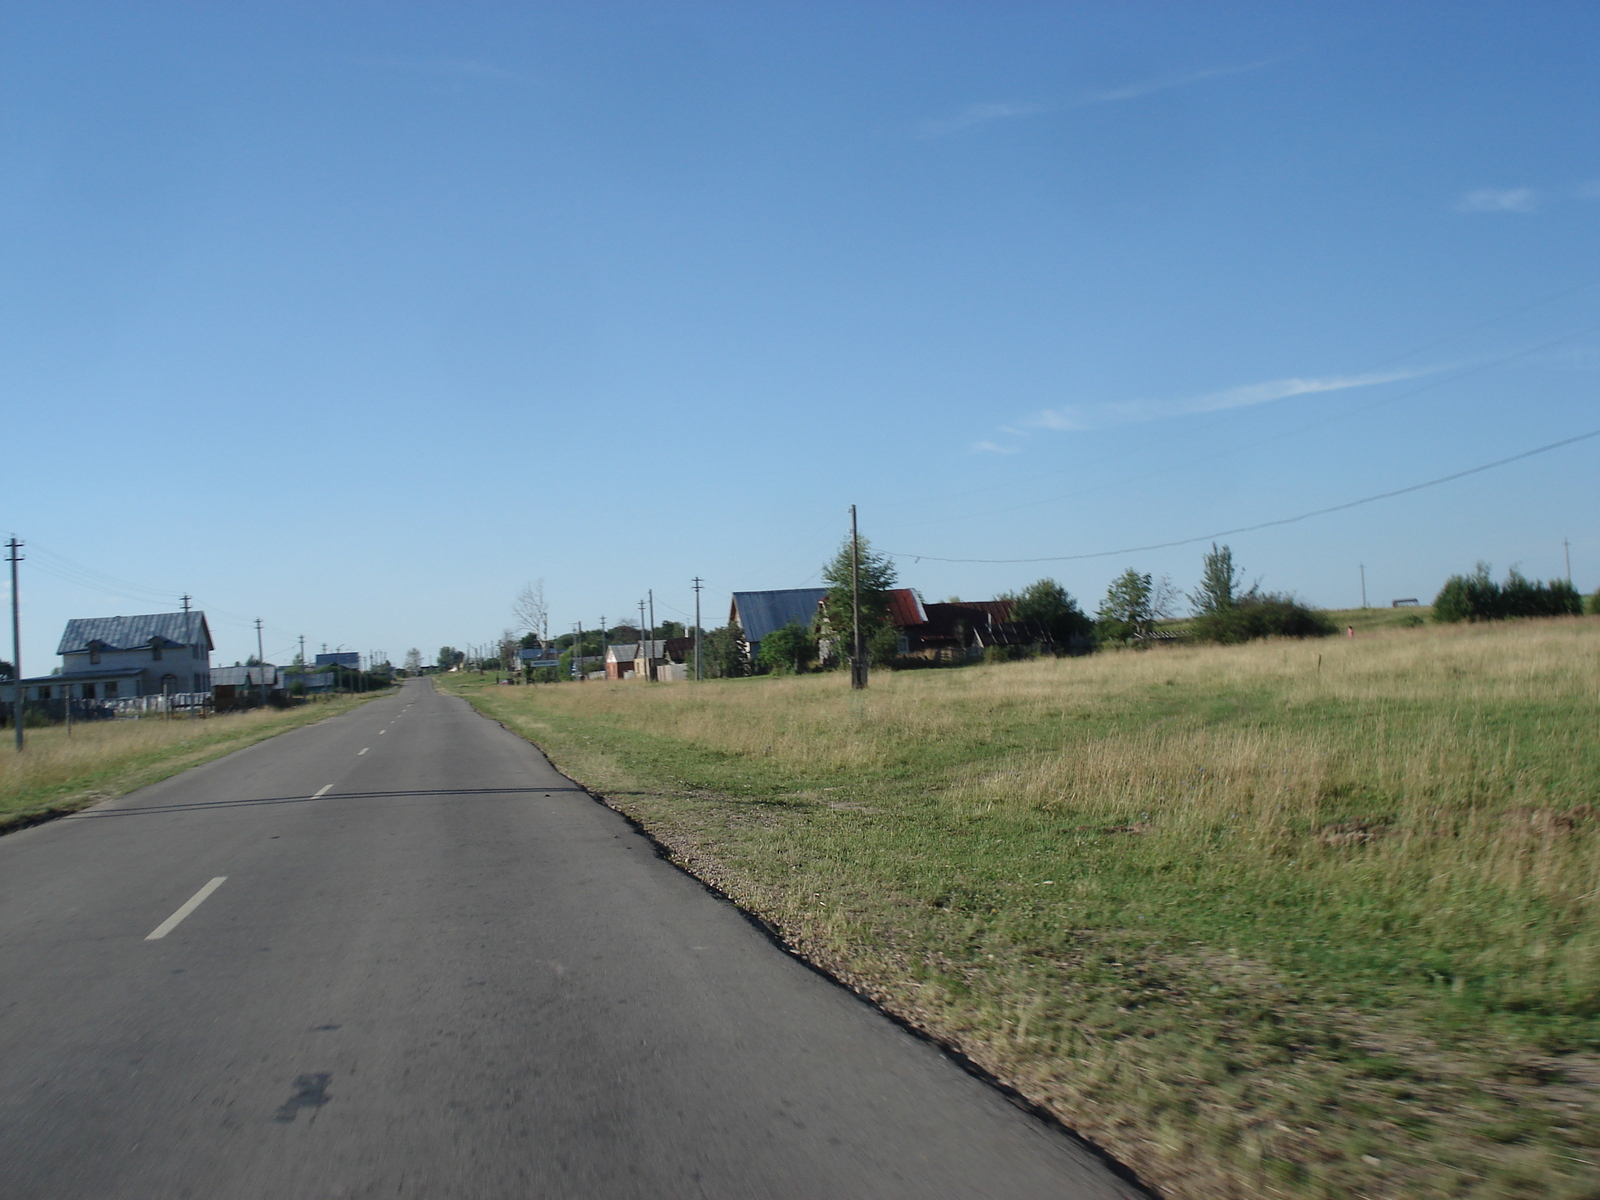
(757, 614)
(112, 658)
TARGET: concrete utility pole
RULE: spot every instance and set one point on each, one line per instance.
(1363, 569)
(261, 661)
(643, 645)
(605, 644)
(1566, 548)
(16, 641)
(650, 646)
(697, 586)
(858, 661)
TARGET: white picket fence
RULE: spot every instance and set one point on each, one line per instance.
(142, 706)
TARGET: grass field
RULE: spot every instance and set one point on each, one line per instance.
(1299, 919)
(57, 773)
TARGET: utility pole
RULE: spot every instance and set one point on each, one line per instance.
(583, 672)
(605, 644)
(650, 647)
(697, 586)
(1566, 548)
(642, 645)
(1363, 569)
(16, 641)
(188, 636)
(858, 661)
(261, 663)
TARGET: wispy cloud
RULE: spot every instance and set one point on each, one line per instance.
(998, 110)
(1079, 417)
(1499, 200)
(457, 67)
(1132, 91)
(977, 114)
(992, 448)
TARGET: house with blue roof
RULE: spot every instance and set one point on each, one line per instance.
(759, 613)
(112, 658)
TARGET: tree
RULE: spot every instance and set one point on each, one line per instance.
(7, 670)
(1477, 597)
(449, 656)
(669, 629)
(788, 649)
(1258, 615)
(1127, 612)
(508, 647)
(1164, 598)
(530, 609)
(1219, 582)
(722, 653)
(413, 661)
(1050, 604)
(835, 617)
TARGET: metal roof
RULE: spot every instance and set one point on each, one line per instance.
(905, 608)
(132, 633)
(73, 677)
(761, 613)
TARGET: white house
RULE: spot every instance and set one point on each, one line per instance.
(109, 658)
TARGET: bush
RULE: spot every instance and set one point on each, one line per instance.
(1259, 615)
(788, 649)
(1477, 597)
(1594, 604)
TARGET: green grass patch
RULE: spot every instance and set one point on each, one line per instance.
(59, 773)
(1314, 918)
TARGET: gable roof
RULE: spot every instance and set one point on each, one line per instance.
(761, 613)
(905, 607)
(130, 633)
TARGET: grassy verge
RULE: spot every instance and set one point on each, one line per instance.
(57, 774)
(1307, 920)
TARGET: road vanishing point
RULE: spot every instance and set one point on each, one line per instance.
(397, 954)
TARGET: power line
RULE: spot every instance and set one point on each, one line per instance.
(1369, 367)
(1276, 437)
(1320, 512)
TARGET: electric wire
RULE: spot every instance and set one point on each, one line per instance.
(1276, 437)
(1369, 367)
(1320, 512)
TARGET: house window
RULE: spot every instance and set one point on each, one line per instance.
(44, 693)
(88, 690)
(94, 654)
(110, 686)
(155, 650)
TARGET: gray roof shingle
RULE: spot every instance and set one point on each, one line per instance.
(128, 633)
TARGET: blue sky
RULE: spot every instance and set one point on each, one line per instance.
(359, 317)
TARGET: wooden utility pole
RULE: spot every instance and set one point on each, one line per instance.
(697, 586)
(16, 642)
(261, 663)
(858, 659)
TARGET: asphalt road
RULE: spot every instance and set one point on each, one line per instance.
(435, 968)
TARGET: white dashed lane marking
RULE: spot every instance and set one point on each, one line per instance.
(189, 905)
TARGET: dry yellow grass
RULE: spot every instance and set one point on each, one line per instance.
(1253, 922)
(58, 772)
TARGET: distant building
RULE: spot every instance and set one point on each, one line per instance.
(760, 613)
(113, 658)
